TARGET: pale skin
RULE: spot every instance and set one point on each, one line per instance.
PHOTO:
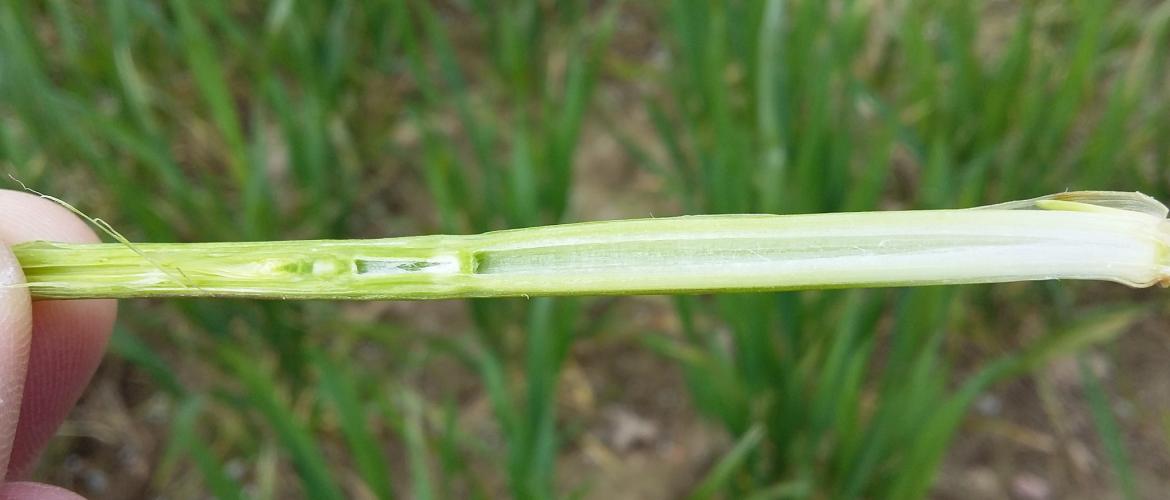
(48, 349)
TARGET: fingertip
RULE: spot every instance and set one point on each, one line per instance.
(68, 340)
(36, 491)
(68, 337)
(15, 328)
(27, 217)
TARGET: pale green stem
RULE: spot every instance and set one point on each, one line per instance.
(1121, 237)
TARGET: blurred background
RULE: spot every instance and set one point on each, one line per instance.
(225, 120)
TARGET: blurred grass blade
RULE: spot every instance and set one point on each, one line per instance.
(1089, 328)
(337, 386)
(262, 395)
(212, 82)
(768, 114)
(722, 473)
(782, 490)
(185, 440)
(929, 442)
(1111, 436)
(129, 347)
(417, 452)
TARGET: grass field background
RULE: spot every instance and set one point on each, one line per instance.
(219, 120)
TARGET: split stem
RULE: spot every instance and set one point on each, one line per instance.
(1120, 237)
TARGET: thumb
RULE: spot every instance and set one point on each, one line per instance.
(15, 325)
(15, 328)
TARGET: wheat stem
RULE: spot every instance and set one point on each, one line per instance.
(1120, 237)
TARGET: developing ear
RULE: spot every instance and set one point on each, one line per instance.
(1086, 201)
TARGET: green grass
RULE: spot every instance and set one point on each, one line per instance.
(221, 121)
(801, 129)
